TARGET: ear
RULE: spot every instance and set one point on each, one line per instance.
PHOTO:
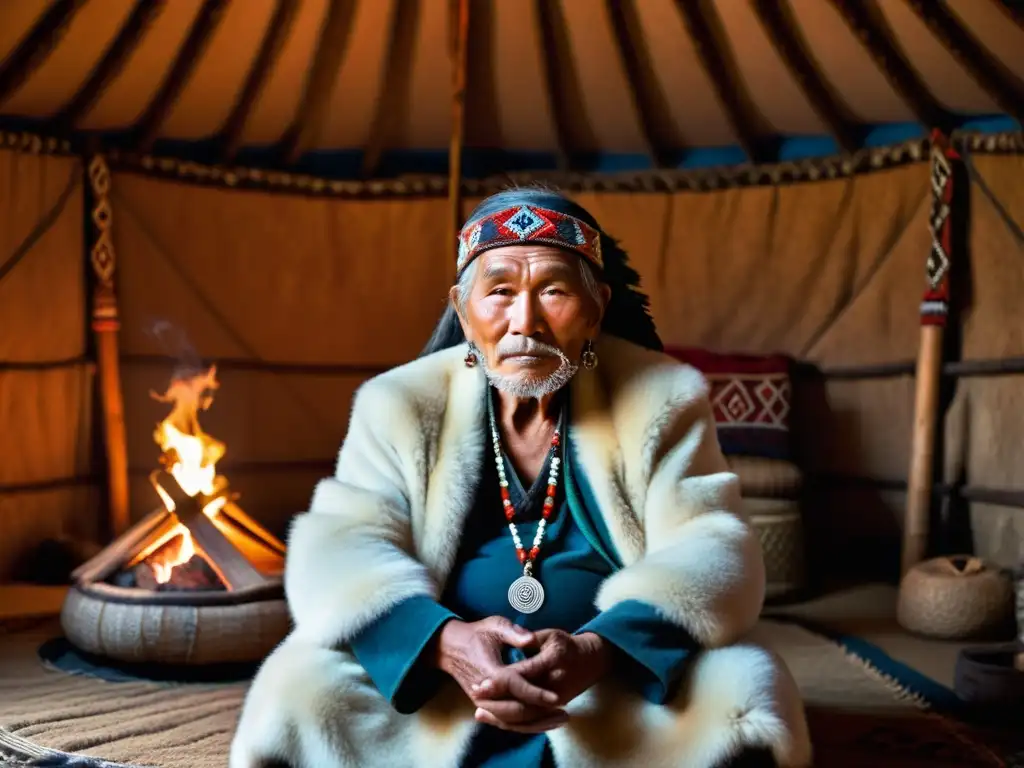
(453, 297)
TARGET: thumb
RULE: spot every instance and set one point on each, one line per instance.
(513, 634)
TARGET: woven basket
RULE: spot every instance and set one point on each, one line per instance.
(105, 621)
(779, 527)
(955, 598)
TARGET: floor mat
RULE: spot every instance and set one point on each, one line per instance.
(854, 710)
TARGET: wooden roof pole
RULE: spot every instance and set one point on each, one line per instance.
(110, 65)
(105, 325)
(229, 138)
(36, 46)
(147, 129)
(783, 31)
(704, 26)
(459, 44)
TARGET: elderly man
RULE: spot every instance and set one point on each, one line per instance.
(532, 551)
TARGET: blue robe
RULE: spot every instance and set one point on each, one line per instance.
(577, 554)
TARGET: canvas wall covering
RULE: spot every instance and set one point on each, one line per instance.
(300, 299)
(45, 386)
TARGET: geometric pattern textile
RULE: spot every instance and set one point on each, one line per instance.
(751, 399)
(935, 304)
(529, 224)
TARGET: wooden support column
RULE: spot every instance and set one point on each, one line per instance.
(105, 325)
(457, 50)
(934, 311)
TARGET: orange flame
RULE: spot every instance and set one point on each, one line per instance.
(190, 457)
(178, 551)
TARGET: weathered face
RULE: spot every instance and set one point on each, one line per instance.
(530, 313)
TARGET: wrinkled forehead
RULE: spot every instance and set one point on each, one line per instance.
(527, 261)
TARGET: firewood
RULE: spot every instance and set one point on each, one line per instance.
(231, 566)
(121, 550)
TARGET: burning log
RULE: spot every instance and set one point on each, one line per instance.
(193, 512)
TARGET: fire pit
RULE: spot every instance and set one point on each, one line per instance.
(197, 581)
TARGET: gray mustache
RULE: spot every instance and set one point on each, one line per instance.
(523, 345)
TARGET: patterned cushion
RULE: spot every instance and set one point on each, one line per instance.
(751, 397)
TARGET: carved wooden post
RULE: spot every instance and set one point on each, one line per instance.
(934, 310)
(105, 325)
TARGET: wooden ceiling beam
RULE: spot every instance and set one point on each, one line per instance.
(147, 130)
(1013, 9)
(865, 20)
(783, 31)
(716, 57)
(229, 138)
(561, 81)
(305, 127)
(648, 100)
(395, 83)
(110, 66)
(1005, 88)
(36, 46)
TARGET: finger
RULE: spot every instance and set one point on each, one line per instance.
(512, 711)
(504, 683)
(522, 689)
(512, 634)
(550, 656)
(538, 726)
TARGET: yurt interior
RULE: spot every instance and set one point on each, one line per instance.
(220, 218)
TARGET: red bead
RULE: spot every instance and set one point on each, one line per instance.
(554, 439)
(551, 491)
(521, 553)
(504, 494)
(547, 511)
(510, 512)
(534, 552)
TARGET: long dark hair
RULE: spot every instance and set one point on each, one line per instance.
(628, 313)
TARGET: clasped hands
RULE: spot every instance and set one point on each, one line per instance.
(526, 696)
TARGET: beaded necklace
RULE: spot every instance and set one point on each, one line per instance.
(526, 594)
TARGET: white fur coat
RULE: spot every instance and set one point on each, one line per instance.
(387, 525)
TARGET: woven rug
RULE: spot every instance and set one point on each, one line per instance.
(860, 713)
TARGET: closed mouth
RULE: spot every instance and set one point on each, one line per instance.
(526, 357)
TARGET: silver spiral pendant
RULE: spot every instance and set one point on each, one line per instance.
(526, 595)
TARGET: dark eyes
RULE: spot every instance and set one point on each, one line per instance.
(550, 291)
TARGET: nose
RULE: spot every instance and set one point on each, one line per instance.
(524, 317)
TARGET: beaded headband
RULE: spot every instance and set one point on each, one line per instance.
(529, 224)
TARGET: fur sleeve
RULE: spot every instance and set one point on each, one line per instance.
(702, 567)
(349, 558)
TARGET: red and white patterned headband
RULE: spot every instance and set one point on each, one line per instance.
(529, 224)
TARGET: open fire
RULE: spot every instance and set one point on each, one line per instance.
(200, 539)
(195, 581)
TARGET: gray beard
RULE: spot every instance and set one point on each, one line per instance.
(528, 388)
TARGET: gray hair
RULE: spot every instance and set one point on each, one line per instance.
(465, 282)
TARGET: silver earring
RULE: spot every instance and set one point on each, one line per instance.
(589, 356)
(470, 359)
